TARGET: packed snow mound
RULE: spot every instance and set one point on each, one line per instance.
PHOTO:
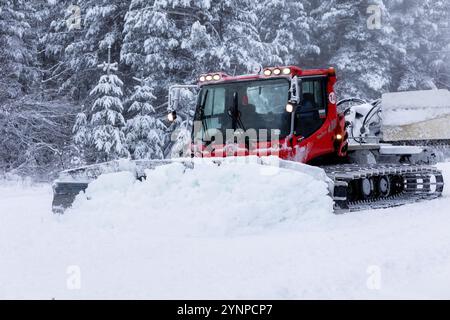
(208, 199)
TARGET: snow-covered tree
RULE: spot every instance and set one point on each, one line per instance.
(358, 46)
(153, 33)
(144, 132)
(82, 134)
(287, 26)
(174, 41)
(77, 41)
(107, 119)
(439, 57)
(421, 31)
(157, 46)
(225, 37)
(17, 49)
(105, 129)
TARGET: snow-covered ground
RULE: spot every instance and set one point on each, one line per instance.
(238, 233)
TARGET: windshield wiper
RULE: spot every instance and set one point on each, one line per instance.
(235, 114)
(208, 140)
(202, 112)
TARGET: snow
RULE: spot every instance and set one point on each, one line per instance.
(388, 149)
(247, 233)
(404, 108)
(416, 99)
(233, 198)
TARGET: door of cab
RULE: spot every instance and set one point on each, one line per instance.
(310, 120)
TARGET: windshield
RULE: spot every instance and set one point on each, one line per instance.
(260, 105)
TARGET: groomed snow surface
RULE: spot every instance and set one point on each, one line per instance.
(237, 231)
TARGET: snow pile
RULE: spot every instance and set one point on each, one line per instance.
(210, 199)
(120, 250)
(403, 108)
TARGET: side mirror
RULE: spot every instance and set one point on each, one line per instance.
(175, 96)
(296, 90)
(172, 116)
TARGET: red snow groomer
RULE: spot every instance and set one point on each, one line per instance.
(289, 112)
(293, 114)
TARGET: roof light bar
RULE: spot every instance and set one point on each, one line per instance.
(210, 77)
(277, 71)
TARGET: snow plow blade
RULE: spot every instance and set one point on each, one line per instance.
(71, 182)
(416, 116)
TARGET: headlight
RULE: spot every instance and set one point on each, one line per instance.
(172, 116)
(289, 108)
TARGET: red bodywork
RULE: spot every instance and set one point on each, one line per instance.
(330, 139)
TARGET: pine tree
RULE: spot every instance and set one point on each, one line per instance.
(144, 133)
(17, 49)
(104, 133)
(156, 45)
(236, 42)
(153, 33)
(77, 41)
(361, 53)
(287, 26)
(421, 27)
(439, 57)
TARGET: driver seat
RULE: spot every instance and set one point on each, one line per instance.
(307, 117)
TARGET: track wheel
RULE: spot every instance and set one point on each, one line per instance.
(367, 188)
(384, 186)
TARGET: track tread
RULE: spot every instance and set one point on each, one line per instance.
(413, 190)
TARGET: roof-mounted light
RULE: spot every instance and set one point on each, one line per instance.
(209, 77)
(287, 71)
(216, 77)
(276, 72)
(202, 79)
(267, 72)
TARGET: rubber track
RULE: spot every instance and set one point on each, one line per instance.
(416, 185)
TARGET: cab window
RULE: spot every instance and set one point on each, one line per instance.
(311, 114)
